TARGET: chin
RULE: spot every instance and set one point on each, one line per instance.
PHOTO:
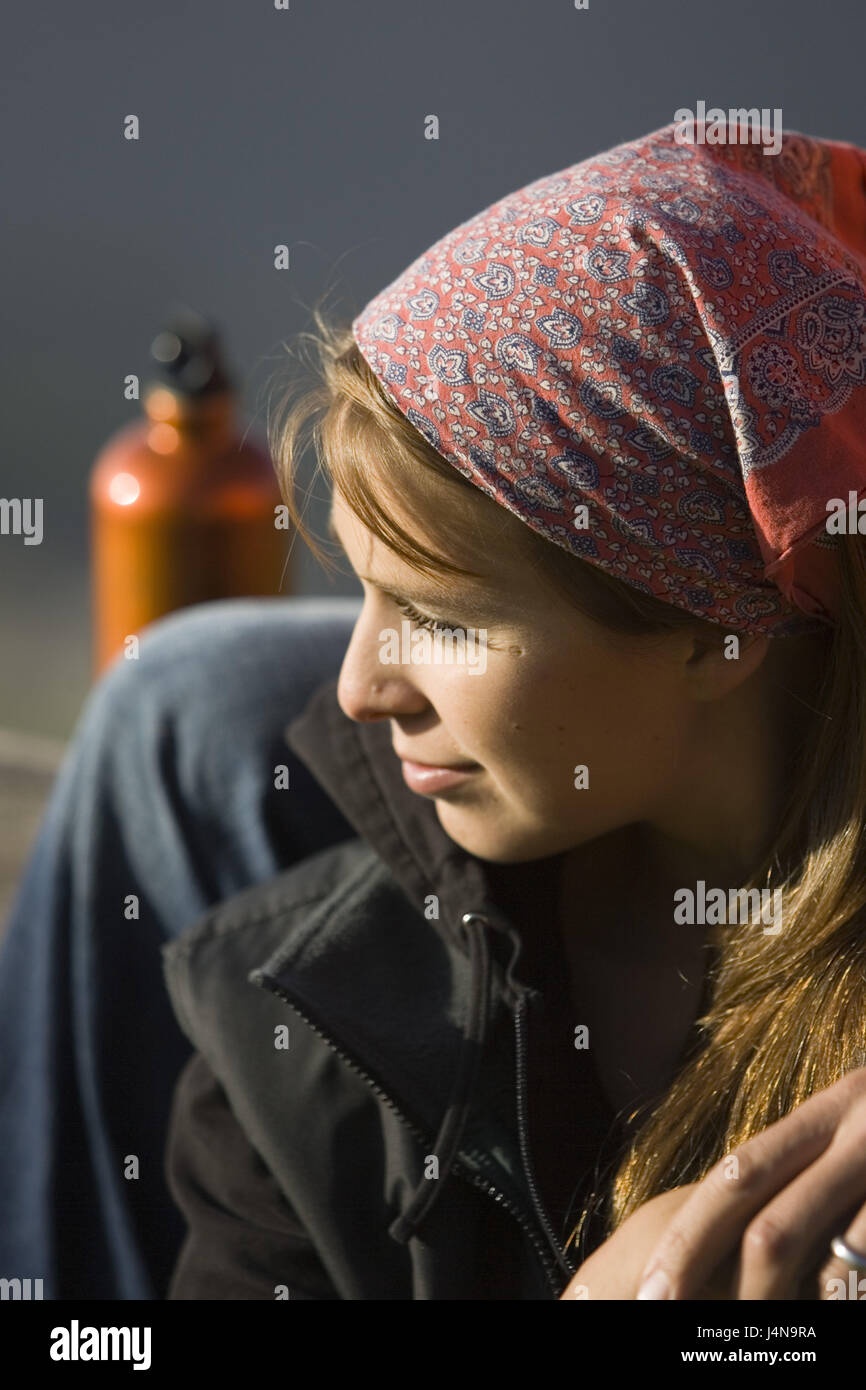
(485, 835)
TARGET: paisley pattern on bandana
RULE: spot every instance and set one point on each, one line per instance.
(673, 336)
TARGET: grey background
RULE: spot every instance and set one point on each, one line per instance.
(304, 126)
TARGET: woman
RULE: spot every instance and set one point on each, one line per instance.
(596, 433)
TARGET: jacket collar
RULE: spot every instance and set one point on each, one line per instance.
(459, 1041)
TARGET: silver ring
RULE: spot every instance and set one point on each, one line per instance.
(855, 1258)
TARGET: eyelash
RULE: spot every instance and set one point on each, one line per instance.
(419, 619)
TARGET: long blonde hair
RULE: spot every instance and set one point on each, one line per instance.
(785, 1014)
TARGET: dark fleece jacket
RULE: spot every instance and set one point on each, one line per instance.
(385, 1099)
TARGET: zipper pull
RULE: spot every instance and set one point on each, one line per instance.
(512, 989)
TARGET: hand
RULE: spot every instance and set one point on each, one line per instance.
(613, 1270)
(774, 1204)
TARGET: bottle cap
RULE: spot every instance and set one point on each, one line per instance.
(188, 355)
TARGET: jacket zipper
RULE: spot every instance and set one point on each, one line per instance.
(523, 1131)
(548, 1264)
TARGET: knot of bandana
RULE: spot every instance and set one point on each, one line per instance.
(656, 358)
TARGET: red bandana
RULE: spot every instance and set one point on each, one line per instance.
(657, 359)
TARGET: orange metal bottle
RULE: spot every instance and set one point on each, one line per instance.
(182, 510)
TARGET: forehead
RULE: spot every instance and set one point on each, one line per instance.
(373, 559)
(466, 528)
(500, 573)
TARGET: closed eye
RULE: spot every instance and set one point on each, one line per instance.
(422, 620)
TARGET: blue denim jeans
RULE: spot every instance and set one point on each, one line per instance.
(165, 797)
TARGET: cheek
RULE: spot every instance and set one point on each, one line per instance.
(551, 709)
(545, 719)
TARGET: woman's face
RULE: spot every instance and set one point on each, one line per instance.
(557, 693)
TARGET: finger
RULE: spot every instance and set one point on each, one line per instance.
(837, 1279)
(575, 1289)
(786, 1237)
(710, 1224)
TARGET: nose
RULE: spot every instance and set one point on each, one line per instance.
(370, 689)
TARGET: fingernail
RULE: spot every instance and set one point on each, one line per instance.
(656, 1286)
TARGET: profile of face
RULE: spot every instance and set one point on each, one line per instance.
(558, 693)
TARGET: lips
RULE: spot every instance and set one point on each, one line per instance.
(430, 779)
(460, 766)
